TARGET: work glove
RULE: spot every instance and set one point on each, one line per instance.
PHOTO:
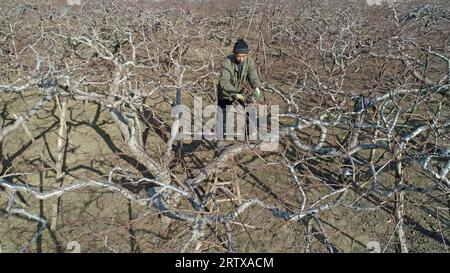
(257, 93)
(240, 97)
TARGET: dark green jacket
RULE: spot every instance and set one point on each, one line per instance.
(229, 81)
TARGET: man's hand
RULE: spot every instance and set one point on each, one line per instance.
(240, 97)
(257, 93)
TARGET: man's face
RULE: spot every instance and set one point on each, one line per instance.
(240, 57)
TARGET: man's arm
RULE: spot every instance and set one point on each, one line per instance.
(253, 77)
(226, 87)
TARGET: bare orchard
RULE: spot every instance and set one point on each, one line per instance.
(91, 162)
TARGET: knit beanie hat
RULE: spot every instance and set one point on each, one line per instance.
(240, 47)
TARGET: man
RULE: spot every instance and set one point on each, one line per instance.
(236, 70)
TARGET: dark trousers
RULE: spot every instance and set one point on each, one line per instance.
(222, 108)
(221, 118)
